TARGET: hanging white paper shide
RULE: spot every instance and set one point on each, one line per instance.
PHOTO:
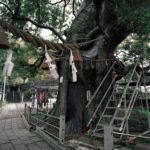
(9, 65)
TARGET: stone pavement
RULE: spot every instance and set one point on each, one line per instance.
(13, 135)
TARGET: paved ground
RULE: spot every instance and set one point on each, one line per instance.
(13, 135)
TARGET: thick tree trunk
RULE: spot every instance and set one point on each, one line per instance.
(76, 118)
(96, 61)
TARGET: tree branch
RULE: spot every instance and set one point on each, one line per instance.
(65, 4)
(41, 26)
(64, 9)
(7, 8)
(16, 16)
(17, 9)
(73, 7)
(82, 7)
(77, 4)
(38, 11)
(56, 2)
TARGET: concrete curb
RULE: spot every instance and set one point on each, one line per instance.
(50, 141)
(25, 122)
(55, 145)
(27, 125)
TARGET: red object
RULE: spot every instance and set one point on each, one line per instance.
(41, 95)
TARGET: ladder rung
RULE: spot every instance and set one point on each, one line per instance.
(102, 124)
(118, 118)
(117, 92)
(122, 104)
(127, 100)
(100, 135)
(107, 116)
(114, 100)
(126, 93)
(100, 129)
(122, 93)
(111, 107)
(116, 128)
(121, 109)
(132, 83)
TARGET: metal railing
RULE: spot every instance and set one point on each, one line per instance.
(55, 131)
(100, 85)
(102, 100)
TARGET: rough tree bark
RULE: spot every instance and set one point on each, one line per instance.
(90, 73)
(97, 18)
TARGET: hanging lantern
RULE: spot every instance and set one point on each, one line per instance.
(4, 43)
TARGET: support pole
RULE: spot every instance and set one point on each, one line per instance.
(147, 104)
(29, 114)
(63, 90)
(147, 107)
(108, 138)
(63, 87)
(25, 110)
(62, 129)
(4, 88)
(1, 92)
(22, 97)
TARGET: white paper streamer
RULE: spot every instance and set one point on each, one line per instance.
(73, 67)
(52, 67)
(9, 65)
(61, 79)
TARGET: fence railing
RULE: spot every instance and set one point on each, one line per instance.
(53, 126)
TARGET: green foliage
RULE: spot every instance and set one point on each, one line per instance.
(2, 61)
(135, 44)
(138, 120)
(135, 14)
(39, 11)
(24, 56)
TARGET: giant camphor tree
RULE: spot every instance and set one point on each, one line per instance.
(107, 21)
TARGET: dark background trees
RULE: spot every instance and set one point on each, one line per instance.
(110, 20)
